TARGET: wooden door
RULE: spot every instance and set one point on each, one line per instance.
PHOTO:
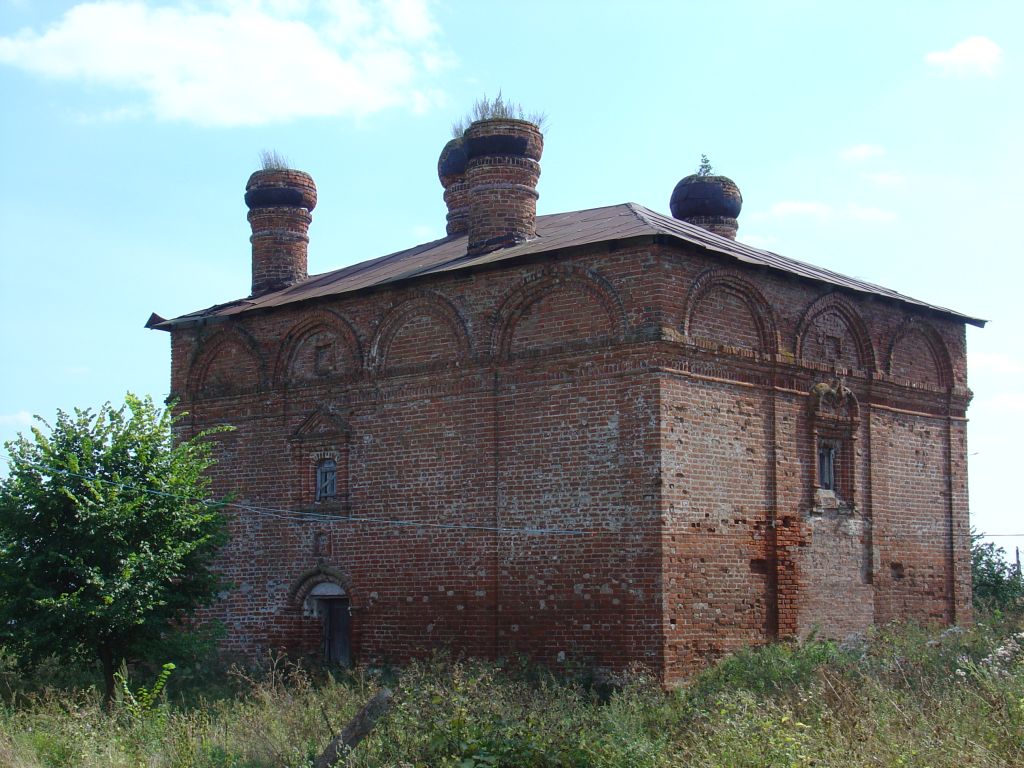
(337, 631)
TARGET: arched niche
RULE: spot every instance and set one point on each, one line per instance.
(422, 332)
(919, 355)
(724, 308)
(558, 309)
(226, 363)
(832, 332)
(321, 346)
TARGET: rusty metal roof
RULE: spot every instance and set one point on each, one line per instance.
(554, 232)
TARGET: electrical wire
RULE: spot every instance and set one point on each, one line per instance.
(296, 516)
(303, 517)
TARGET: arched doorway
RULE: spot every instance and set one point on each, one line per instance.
(330, 602)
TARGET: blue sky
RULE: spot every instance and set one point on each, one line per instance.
(883, 140)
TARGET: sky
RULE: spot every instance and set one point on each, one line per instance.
(882, 140)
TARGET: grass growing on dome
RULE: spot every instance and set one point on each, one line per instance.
(272, 160)
(497, 108)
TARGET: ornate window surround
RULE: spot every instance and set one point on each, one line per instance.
(834, 419)
(323, 437)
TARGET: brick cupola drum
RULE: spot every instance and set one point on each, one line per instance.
(451, 170)
(280, 201)
(502, 172)
(709, 202)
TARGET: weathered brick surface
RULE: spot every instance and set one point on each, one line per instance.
(503, 166)
(608, 455)
(280, 201)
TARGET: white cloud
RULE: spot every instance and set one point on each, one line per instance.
(973, 56)
(243, 62)
(866, 213)
(885, 178)
(18, 419)
(115, 115)
(826, 212)
(858, 153)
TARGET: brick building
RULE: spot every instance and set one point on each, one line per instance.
(602, 436)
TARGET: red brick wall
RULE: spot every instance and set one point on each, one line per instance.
(652, 402)
(912, 511)
(715, 491)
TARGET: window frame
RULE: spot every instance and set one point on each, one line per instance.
(326, 481)
(828, 460)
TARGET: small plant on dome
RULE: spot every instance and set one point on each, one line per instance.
(497, 109)
(705, 168)
(272, 160)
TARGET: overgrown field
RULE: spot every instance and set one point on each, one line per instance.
(902, 697)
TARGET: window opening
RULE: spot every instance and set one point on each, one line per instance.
(326, 479)
(835, 416)
(827, 465)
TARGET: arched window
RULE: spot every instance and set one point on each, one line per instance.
(326, 479)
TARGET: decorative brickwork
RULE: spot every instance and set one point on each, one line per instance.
(555, 309)
(322, 345)
(832, 332)
(725, 308)
(918, 355)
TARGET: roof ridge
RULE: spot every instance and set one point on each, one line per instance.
(641, 211)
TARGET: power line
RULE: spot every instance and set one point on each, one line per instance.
(296, 516)
(303, 517)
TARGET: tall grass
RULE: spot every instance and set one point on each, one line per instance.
(903, 696)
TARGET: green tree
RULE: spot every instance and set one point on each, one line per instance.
(996, 583)
(105, 537)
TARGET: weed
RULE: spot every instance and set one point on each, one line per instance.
(496, 109)
(272, 160)
(892, 698)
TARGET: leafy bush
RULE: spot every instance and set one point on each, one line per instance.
(997, 585)
(106, 541)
